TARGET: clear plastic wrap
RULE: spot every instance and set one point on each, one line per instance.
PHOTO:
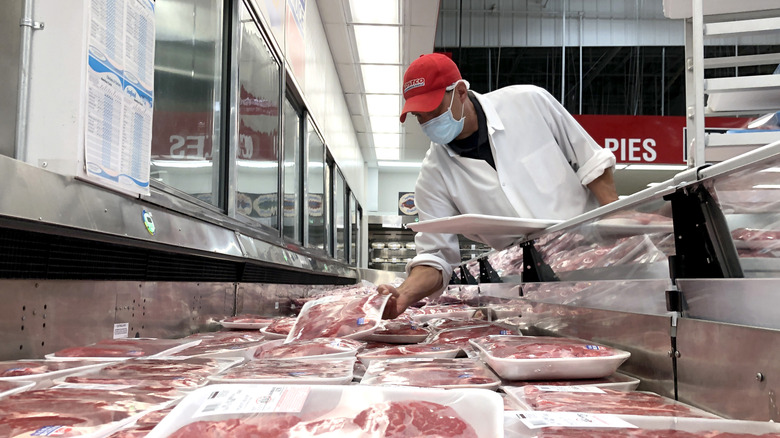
(537, 358)
(293, 371)
(126, 348)
(615, 382)
(351, 317)
(320, 348)
(246, 322)
(408, 351)
(431, 373)
(399, 332)
(286, 411)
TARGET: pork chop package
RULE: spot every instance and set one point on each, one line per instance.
(181, 373)
(350, 317)
(442, 351)
(41, 371)
(399, 332)
(343, 411)
(320, 348)
(431, 373)
(547, 358)
(245, 322)
(524, 424)
(279, 328)
(615, 382)
(76, 410)
(291, 371)
(222, 344)
(11, 388)
(123, 348)
(601, 401)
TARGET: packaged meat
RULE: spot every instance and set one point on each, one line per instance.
(441, 351)
(123, 348)
(523, 424)
(399, 332)
(350, 317)
(464, 334)
(615, 382)
(222, 344)
(293, 371)
(246, 322)
(42, 371)
(10, 388)
(548, 358)
(143, 425)
(431, 373)
(321, 348)
(69, 411)
(429, 312)
(279, 328)
(180, 373)
(445, 323)
(281, 411)
(601, 401)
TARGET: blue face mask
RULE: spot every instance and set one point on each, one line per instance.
(444, 128)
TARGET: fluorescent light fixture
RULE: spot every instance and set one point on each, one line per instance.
(407, 164)
(378, 44)
(387, 153)
(257, 164)
(387, 141)
(656, 167)
(182, 164)
(767, 186)
(381, 79)
(383, 104)
(386, 124)
(372, 11)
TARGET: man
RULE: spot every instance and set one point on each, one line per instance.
(512, 152)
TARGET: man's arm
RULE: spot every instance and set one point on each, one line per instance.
(422, 281)
(604, 187)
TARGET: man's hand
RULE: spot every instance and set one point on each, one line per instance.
(422, 281)
(393, 307)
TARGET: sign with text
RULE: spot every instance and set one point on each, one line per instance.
(645, 139)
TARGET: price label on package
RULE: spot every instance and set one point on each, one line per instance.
(571, 388)
(538, 419)
(253, 400)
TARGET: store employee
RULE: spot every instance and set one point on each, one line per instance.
(512, 152)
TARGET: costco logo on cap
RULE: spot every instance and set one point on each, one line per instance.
(414, 83)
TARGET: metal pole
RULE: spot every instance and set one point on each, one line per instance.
(563, 54)
(582, 16)
(27, 26)
(663, 80)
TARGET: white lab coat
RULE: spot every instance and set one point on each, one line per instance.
(544, 159)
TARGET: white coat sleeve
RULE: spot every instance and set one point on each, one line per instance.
(586, 157)
(438, 250)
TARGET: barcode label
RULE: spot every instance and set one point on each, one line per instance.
(537, 419)
(252, 400)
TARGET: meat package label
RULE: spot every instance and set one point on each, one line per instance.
(572, 388)
(537, 420)
(253, 400)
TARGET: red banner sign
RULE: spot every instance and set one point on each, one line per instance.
(645, 139)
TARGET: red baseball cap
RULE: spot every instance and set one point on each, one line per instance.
(425, 82)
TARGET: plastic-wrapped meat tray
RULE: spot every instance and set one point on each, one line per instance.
(222, 344)
(548, 358)
(425, 313)
(71, 411)
(601, 401)
(399, 332)
(291, 371)
(279, 328)
(648, 427)
(461, 336)
(11, 388)
(616, 382)
(183, 373)
(442, 351)
(42, 371)
(321, 348)
(431, 373)
(348, 317)
(121, 349)
(245, 322)
(281, 411)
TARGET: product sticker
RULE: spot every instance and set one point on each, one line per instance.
(539, 419)
(592, 347)
(121, 330)
(52, 431)
(253, 400)
(572, 388)
(361, 321)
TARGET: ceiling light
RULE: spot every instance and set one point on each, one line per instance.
(257, 164)
(408, 164)
(387, 153)
(656, 167)
(385, 124)
(378, 44)
(372, 11)
(387, 140)
(383, 104)
(381, 79)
